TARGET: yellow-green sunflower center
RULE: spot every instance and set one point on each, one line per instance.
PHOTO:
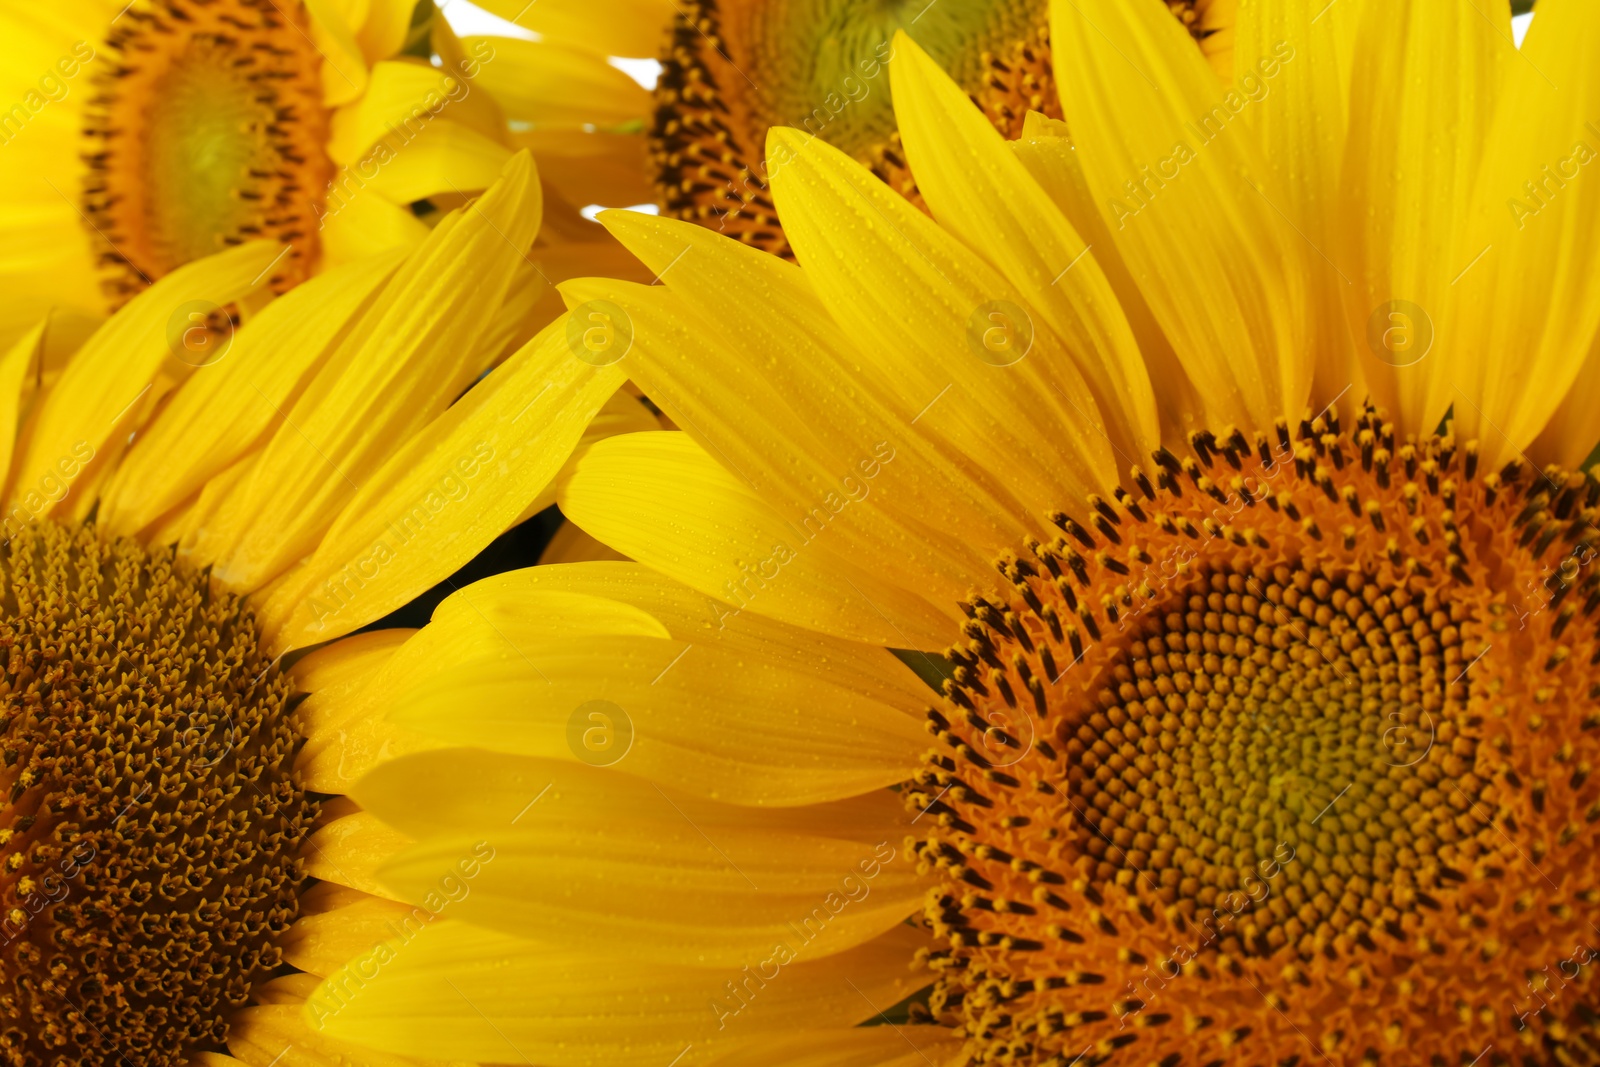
(733, 70)
(1278, 722)
(736, 68)
(1285, 757)
(149, 824)
(207, 129)
(821, 62)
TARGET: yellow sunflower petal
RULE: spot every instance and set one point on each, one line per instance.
(550, 84)
(1189, 202)
(337, 758)
(38, 266)
(592, 166)
(1573, 433)
(344, 723)
(65, 335)
(384, 29)
(1297, 112)
(441, 157)
(860, 1046)
(410, 527)
(346, 735)
(344, 67)
(1426, 76)
(464, 991)
(519, 613)
(729, 544)
(772, 736)
(333, 672)
(349, 851)
(357, 224)
(405, 97)
(278, 1035)
(608, 28)
(400, 366)
(180, 522)
(225, 410)
(529, 306)
(484, 620)
(336, 924)
(687, 615)
(1047, 151)
(1218, 21)
(49, 343)
(774, 733)
(617, 866)
(1529, 309)
(469, 58)
(117, 370)
(842, 466)
(15, 366)
(981, 193)
(288, 989)
(623, 413)
(917, 302)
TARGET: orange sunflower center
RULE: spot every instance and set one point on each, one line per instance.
(149, 825)
(207, 129)
(1285, 759)
(731, 71)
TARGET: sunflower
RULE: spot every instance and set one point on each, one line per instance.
(185, 510)
(141, 135)
(1231, 458)
(733, 70)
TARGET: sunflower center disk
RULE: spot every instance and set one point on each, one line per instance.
(207, 129)
(823, 69)
(1270, 720)
(1313, 717)
(149, 825)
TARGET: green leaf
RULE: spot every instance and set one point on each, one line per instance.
(931, 667)
(418, 38)
(913, 1009)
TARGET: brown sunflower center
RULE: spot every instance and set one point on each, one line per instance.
(150, 825)
(1281, 721)
(1286, 757)
(734, 69)
(207, 129)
